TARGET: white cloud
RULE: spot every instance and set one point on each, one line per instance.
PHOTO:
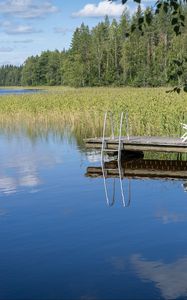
(11, 28)
(20, 29)
(103, 8)
(27, 8)
(5, 62)
(23, 41)
(62, 30)
(6, 49)
(26, 41)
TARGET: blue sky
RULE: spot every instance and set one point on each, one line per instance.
(28, 27)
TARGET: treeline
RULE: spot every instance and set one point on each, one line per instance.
(44, 69)
(10, 75)
(108, 55)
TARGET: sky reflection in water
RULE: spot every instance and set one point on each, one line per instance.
(18, 91)
(59, 239)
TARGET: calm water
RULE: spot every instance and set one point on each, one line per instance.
(60, 240)
(18, 91)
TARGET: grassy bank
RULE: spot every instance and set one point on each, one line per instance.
(151, 111)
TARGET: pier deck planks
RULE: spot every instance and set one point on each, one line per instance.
(140, 143)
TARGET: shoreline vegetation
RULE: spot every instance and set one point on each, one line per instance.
(114, 52)
(151, 110)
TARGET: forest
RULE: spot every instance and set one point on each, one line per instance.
(108, 55)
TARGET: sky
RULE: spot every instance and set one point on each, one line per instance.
(28, 27)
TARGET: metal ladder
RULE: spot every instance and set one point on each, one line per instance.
(104, 150)
(184, 136)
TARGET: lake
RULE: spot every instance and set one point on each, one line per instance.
(18, 91)
(60, 239)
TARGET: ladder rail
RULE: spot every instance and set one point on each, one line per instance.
(120, 170)
(109, 203)
(103, 137)
(119, 161)
(112, 125)
(184, 136)
(127, 126)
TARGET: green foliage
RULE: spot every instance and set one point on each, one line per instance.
(10, 75)
(44, 69)
(143, 50)
(174, 7)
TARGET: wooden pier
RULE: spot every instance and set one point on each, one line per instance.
(140, 143)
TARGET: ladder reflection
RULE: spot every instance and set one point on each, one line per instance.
(137, 168)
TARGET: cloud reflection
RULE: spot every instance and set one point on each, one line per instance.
(8, 185)
(22, 173)
(21, 165)
(29, 180)
(167, 217)
(170, 278)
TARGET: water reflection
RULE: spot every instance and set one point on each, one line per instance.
(18, 91)
(170, 278)
(185, 186)
(143, 168)
(136, 168)
(20, 163)
(168, 217)
(72, 245)
(25, 175)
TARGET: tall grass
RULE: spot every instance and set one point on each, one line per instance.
(151, 110)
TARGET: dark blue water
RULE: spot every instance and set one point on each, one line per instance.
(60, 240)
(18, 91)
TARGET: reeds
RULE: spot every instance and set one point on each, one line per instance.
(151, 110)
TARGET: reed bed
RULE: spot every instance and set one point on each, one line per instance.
(151, 111)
